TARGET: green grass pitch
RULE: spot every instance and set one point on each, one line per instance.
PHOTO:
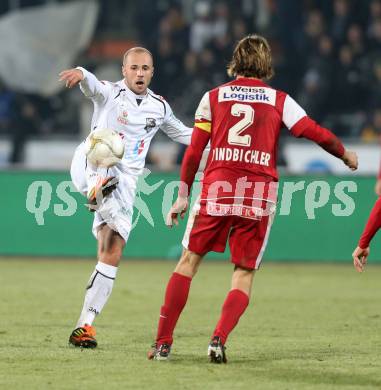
(307, 327)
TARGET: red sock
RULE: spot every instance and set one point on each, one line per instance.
(176, 296)
(234, 306)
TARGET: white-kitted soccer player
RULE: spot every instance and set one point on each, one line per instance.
(136, 113)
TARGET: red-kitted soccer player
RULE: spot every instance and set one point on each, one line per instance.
(242, 120)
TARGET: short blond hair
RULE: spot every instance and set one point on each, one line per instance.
(251, 58)
(136, 50)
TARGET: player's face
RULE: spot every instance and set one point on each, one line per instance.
(137, 71)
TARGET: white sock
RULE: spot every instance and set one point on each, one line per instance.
(98, 291)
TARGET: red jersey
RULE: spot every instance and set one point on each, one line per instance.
(245, 117)
(242, 120)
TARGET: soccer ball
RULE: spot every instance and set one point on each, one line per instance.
(104, 148)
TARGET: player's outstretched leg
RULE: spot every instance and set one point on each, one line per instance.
(234, 306)
(83, 337)
(98, 290)
(176, 296)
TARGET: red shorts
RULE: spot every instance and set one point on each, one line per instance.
(247, 237)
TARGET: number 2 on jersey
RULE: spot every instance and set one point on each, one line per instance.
(234, 137)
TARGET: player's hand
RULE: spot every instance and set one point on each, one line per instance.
(360, 257)
(179, 207)
(350, 159)
(377, 187)
(71, 77)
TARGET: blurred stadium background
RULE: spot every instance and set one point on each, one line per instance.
(309, 326)
(327, 55)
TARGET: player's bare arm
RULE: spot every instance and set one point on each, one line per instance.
(71, 77)
(350, 159)
(179, 207)
(377, 187)
(360, 257)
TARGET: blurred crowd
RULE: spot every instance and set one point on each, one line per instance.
(327, 55)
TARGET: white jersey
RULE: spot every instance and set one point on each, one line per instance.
(137, 118)
(117, 107)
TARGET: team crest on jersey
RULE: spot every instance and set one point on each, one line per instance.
(122, 113)
(122, 120)
(150, 124)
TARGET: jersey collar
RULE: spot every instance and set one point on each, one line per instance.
(249, 81)
(130, 93)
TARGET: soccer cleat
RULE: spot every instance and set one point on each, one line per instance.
(106, 185)
(216, 351)
(160, 352)
(83, 337)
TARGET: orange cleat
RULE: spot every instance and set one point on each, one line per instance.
(83, 337)
(102, 188)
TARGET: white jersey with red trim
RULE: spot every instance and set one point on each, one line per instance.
(136, 118)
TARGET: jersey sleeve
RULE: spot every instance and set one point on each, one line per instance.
(372, 226)
(292, 112)
(301, 125)
(174, 128)
(203, 115)
(199, 143)
(92, 88)
(192, 159)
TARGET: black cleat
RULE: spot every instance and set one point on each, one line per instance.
(216, 351)
(160, 352)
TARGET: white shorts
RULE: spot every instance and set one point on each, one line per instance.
(116, 209)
